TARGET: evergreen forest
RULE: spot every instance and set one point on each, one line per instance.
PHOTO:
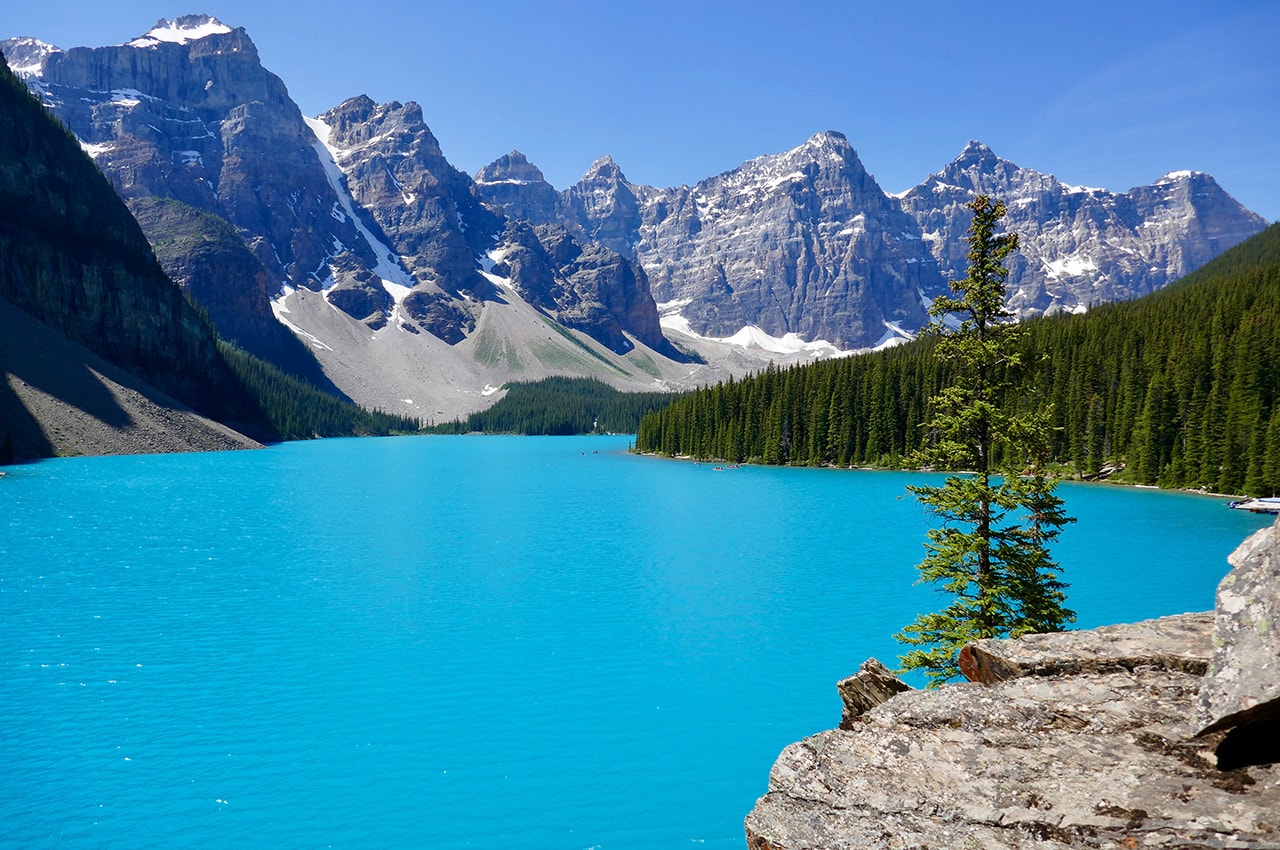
(560, 406)
(1176, 389)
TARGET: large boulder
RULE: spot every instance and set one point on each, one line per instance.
(1242, 690)
(1114, 737)
(1181, 642)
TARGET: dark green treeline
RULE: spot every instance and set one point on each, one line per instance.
(1178, 387)
(560, 406)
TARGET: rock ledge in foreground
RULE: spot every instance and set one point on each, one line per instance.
(1084, 740)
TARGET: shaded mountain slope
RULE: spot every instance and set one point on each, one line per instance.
(72, 256)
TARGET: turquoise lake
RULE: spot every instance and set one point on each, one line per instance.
(485, 642)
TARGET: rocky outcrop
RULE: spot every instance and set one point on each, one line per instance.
(589, 288)
(802, 242)
(1173, 643)
(518, 187)
(1242, 691)
(1081, 739)
(872, 685)
(430, 212)
(1079, 246)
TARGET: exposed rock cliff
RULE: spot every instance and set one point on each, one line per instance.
(430, 213)
(1081, 739)
(187, 112)
(519, 188)
(1079, 246)
(805, 241)
(73, 257)
(801, 242)
(592, 288)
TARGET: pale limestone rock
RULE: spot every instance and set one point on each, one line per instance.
(1242, 690)
(1180, 642)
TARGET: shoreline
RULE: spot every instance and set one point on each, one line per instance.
(1073, 480)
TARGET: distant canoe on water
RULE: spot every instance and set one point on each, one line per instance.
(1258, 506)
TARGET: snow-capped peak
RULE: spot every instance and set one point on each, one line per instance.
(181, 30)
(26, 55)
(1175, 176)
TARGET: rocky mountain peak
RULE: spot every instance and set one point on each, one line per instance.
(26, 55)
(519, 188)
(1180, 176)
(975, 151)
(977, 160)
(1079, 246)
(604, 170)
(826, 152)
(359, 121)
(514, 167)
(829, 140)
(181, 30)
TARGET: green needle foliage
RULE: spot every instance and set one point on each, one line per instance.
(999, 516)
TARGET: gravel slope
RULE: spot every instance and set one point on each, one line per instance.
(57, 398)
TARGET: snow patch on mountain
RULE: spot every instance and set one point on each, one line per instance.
(26, 55)
(181, 30)
(753, 338)
(388, 268)
(1071, 266)
(95, 151)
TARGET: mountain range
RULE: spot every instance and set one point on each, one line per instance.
(346, 248)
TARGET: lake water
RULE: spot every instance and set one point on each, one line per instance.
(485, 642)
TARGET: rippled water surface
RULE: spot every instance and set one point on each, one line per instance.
(469, 642)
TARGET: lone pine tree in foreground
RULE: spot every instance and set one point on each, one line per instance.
(999, 515)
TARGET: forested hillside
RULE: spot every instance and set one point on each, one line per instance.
(1179, 388)
(558, 406)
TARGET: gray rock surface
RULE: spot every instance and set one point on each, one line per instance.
(805, 241)
(1181, 642)
(430, 212)
(1079, 246)
(519, 188)
(57, 398)
(872, 685)
(1084, 739)
(201, 121)
(1242, 689)
(1087, 761)
(801, 242)
(590, 288)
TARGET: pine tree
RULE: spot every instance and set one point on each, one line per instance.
(998, 516)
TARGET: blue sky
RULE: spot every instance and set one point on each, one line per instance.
(1110, 94)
